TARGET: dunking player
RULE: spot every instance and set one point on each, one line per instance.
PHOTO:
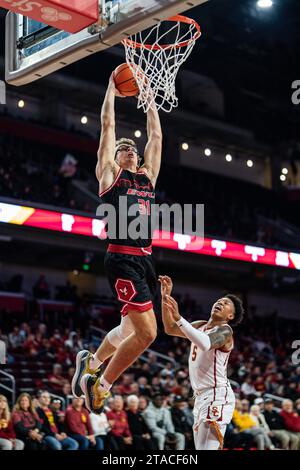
(212, 342)
(128, 262)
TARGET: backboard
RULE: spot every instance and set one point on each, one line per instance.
(34, 50)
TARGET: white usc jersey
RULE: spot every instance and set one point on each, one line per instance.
(208, 369)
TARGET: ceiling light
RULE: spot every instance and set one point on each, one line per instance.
(265, 3)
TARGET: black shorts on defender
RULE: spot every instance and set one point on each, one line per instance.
(132, 279)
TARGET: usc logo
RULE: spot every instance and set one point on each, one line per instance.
(214, 413)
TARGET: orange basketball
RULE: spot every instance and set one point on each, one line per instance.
(125, 81)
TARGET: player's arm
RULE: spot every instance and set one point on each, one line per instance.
(219, 338)
(106, 167)
(170, 325)
(152, 154)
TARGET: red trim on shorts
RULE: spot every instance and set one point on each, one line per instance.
(215, 386)
(113, 183)
(221, 417)
(215, 373)
(130, 250)
(139, 307)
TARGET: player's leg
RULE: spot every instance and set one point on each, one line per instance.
(96, 390)
(86, 363)
(112, 341)
(209, 436)
(144, 333)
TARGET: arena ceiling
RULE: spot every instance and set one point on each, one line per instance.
(252, 55)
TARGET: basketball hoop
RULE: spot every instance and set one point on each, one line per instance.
(155, 63)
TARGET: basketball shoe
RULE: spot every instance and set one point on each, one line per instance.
(94, 396)
(83, 359)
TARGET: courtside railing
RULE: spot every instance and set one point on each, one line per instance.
(11, 389)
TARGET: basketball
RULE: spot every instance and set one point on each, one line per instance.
(125, 81)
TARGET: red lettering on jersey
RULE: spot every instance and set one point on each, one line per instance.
(194, 353)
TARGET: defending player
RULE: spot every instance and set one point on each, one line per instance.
(212, 342)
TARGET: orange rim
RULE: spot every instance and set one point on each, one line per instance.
(176, 18)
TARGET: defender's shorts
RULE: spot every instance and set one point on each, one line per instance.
(214, 404)
(215, 407)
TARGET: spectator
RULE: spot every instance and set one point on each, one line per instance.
(56, 379)
(125, 386)
(144, 387)
(291, 419)
(259, 385)
(53, 429)
(15, 338)
(74, 342)
(260, 403)
(276, 425)
(159, 421)
(235, 439)
(117, 418)
(141, 435)
(78, 424)
(298, 406)
(66, 391)
(143, 403)
(153, 363)
(101, 427)
(245, 423)
(27, 424)
(56, 406)
(188, 411)
(41, 288)
(248, 390)
(8, 439)
(180, 420)
(261, 423)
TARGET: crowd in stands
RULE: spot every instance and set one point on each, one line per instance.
(27, 173)
(151, 406)
(140, 422)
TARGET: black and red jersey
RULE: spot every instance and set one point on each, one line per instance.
(137, 190)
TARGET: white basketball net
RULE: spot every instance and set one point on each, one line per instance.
(155, 66)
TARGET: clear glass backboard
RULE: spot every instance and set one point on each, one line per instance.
(34, 49)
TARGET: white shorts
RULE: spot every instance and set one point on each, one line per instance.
(214, 404)
(213, 410)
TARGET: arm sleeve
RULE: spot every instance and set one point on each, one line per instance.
(197, 337)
